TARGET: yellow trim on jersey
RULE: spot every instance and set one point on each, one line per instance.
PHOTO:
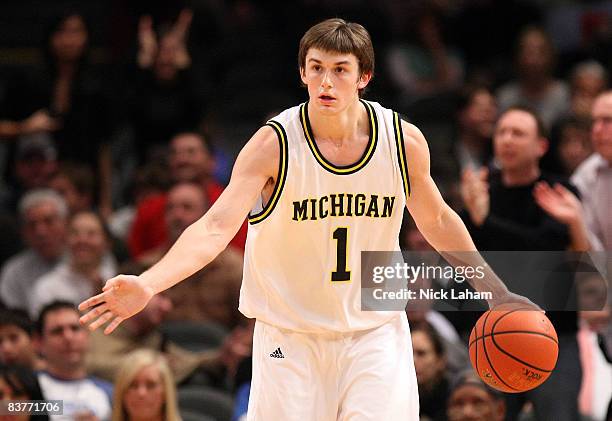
(401, 152)
(282, 174)
(341, 170)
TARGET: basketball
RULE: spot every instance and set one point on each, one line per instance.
(513, 350)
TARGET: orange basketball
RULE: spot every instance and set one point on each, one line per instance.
(513, 350)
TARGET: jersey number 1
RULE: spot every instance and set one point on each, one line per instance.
(341, 274)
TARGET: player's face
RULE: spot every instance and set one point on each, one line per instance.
(333, 80)
(601, 132)
(516, 142)
(64, 341)
(473, 403)
(15, 346)
(144, 399)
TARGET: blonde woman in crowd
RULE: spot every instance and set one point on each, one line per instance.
(144, 389)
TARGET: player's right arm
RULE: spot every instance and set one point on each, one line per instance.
(123, 296)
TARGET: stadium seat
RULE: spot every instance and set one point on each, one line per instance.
(195, 416)
(194, 336)
(205, 401)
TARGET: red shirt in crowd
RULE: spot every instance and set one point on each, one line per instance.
(149, 227)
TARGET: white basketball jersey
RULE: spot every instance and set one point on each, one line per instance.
(302, 258)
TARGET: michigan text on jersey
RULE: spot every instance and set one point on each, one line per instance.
(343, 204)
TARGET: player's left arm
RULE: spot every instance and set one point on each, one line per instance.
(439, 224)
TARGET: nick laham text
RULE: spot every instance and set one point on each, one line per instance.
(431, 294)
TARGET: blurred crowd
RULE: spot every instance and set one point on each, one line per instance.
(121, 129)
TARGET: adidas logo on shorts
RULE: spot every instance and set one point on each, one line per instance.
(277, 354)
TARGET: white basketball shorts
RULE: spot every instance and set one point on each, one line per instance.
(356, 376)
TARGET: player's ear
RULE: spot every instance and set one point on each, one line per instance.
(364, 79)
(303, 75)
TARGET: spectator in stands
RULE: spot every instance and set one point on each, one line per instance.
(38, 122)
(69, 88)
(63, 343)
(594, 176)
(570, 146)
(144, 389)
(16, 347)
(472, 144)
(86, 267)
(148, 181)
(35, 162)
(212, 293)
(516, 209)
(587, 81)
(471, 400)
(141, 331)
(446, 328)
(43, 215)
(190, 161)
(237, 346)
(75, 182)
(242, 389)
(595, 357)
(430, 365)
(496, 223)
(162, 96)
(570, 136)
(477, 111)
(19, 383)
(425, 65)
(535, 85)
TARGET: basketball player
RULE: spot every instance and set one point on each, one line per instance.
(320, 183)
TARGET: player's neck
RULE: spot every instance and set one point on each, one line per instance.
(344, 126)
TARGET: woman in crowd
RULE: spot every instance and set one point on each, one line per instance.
(144, 389)
(19, 383)
(72, 98)
(430, 365)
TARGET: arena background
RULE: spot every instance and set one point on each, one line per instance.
(99, 134)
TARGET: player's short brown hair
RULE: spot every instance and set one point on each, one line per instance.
(337, 35)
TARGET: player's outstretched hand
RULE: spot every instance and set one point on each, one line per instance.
(511, 300)
(122, 297)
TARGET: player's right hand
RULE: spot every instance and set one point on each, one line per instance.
(122, 297)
